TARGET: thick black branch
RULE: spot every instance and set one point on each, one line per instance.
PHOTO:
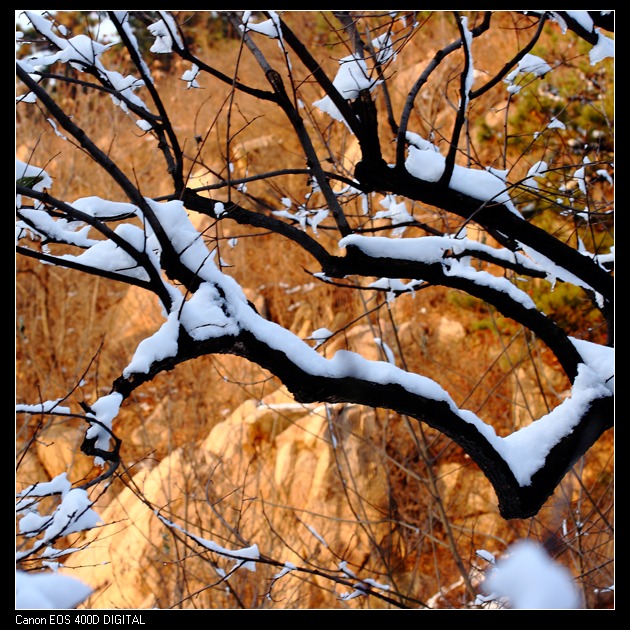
(603, 19)
(515, 501)
(365, 109)
(356, 262)
(491, 216)
(598, 20)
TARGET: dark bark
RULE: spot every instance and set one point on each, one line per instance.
(373, 174)
(515, 501)
(494, 217)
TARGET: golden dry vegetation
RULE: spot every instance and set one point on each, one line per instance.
(77, 333)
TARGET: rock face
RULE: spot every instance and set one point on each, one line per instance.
(293, 479)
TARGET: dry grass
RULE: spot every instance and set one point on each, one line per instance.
(69, 336)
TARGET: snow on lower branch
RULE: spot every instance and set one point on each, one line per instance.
(219, 307)
(599, 358)
(525, 450)
(430, 250)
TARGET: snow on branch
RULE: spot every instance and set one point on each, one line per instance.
(245, 558)
(73, 514)
(206, 310)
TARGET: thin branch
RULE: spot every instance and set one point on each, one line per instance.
(460, 118)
